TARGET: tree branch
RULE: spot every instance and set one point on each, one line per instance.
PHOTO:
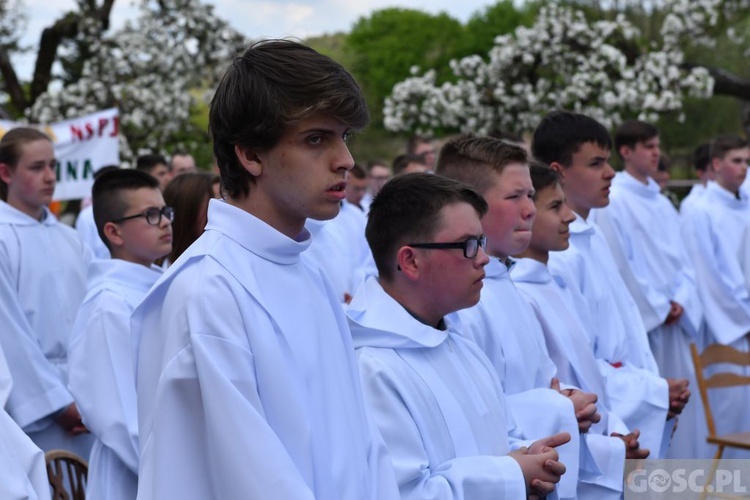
(725, 83)
(12, 85)
(63, 29)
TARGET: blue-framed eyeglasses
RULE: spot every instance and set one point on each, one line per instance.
(153, 215)
(470, 247)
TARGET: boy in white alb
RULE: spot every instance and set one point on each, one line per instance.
(559, 311)
(44, 263)
(246, 379)
(502, 324)
(434, 395)
(642, 229)
(713, 230)
(578, 147)
(132, 218)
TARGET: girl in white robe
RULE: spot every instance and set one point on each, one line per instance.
(44, 264)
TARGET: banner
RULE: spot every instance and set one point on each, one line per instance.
(82, 146)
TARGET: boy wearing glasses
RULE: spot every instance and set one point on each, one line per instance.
(134, 223)
(434, 395)
(246, 379)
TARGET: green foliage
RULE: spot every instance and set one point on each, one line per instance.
(384, 46)
(498, 19)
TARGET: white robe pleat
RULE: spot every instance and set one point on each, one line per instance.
(24, 475)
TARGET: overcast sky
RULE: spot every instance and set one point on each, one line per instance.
(270, 18)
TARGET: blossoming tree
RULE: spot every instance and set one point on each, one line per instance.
(564, 61)
(152, 69)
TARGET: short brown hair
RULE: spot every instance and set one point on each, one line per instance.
(273, 85)
(724, 144)
(474, 160)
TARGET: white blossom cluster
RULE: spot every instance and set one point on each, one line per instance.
(150, 70)
(561, 62)
(695, 21)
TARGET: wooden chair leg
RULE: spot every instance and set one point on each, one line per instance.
(710, 477)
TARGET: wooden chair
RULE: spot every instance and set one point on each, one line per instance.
(67, 473)
(711, 355)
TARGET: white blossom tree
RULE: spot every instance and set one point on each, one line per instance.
(153, 69)
(564, 61)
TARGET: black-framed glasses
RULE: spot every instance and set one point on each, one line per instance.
(153, 215)
(470, 246)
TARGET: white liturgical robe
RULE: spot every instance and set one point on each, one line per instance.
(714, 231)
(44, 265)
(437, 402)
(247, 382)
(24, 476)
(637, 393)
(101, 374)
(687, 202)
(642, 229)
(504, 327)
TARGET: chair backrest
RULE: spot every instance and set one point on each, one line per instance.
(67, 473)
(711, 355)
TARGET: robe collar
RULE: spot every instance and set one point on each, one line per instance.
(581, 225)
(377, 320)
(11, 215)
(626, 181)
(255, 235)
(137, 276)
(497, 269)
(532, 271)
(729, 199)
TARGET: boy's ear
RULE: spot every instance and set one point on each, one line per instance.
(5, 173)
(558, 168)
(249, 159)
(112, 233)
(715, 162)
(624, 151)
(408, 263)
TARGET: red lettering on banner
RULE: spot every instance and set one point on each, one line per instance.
(89, 130)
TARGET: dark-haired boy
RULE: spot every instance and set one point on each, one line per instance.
(156, 165)
(642, 228)
(434, 395)
(134, 223)
(558, 310)
(247, 384)
(715, 231)
(578, 147)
